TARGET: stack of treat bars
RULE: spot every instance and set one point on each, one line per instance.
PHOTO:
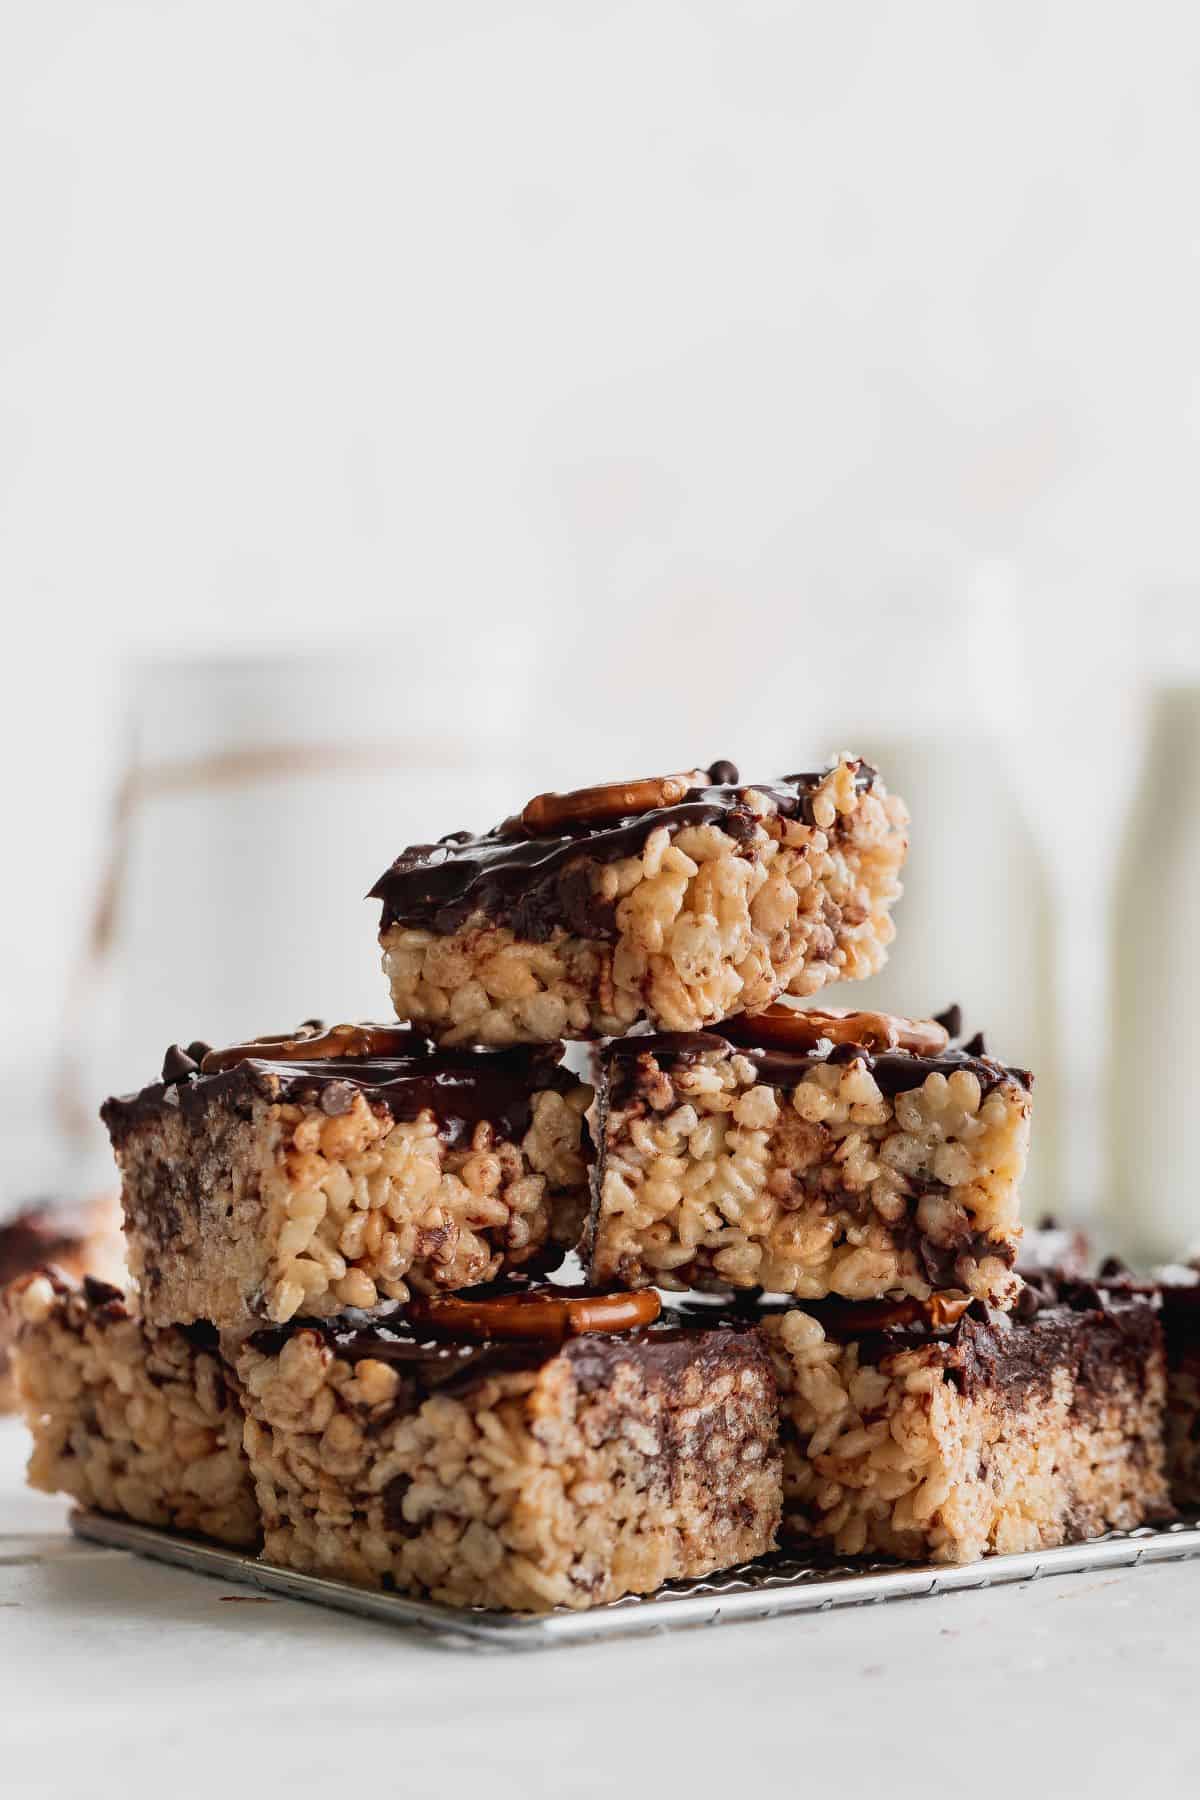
(802, 1319)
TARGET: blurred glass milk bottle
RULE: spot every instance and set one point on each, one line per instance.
(1154, 1204)
(263, 796)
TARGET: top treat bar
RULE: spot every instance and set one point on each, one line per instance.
(679, 900)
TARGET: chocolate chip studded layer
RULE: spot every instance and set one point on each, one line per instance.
(127, 1419)
(680, 904)
(834, 1170)
(257, 1189)
(512, 1474)
(1004, 1432)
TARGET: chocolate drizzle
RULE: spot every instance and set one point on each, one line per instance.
(535, 884)
(895, 1071)
(428, 1365)
(1091, 1328)
(461, 1088)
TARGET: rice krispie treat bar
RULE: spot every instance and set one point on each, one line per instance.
(342, 1168)
(127, 1419)
(922, 1435)
(73, 1238)
(680, 900)
(808, 1154)
(526, 1462)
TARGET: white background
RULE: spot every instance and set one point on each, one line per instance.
(641, 383)
(622, 386)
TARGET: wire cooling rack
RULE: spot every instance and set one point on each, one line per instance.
(766, 1589)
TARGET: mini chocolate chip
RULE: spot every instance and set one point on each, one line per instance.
(100, 1293)
(950, 1020)
(848, 1053)
(200, 1333)
(311, 1025)
(1112, 1266)
(1029, 1305)
(198, 1050)
(937, 1263)
(739, 823)
(723, 774)
(975, 1046)
(337, 1097)
(456, 837)
(178, 1065)
(393, 1506)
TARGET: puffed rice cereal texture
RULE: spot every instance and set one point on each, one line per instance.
(602, 1469)
(815, 1182)
(127, 1419)
(1006, 1437)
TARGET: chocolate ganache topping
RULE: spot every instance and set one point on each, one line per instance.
(896, 1070)
(532, 872)
(461, 1088)
(1096, 1327)
(430, 1361)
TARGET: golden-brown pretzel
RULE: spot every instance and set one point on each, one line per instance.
(784, 1027)
(540, 1314)
(548, 813)
(315, 1043)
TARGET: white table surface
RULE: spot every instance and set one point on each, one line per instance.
(124, 1677)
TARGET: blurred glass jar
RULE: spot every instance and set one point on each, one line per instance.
(1154, 1202)
(263, 796)
(975, 925)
